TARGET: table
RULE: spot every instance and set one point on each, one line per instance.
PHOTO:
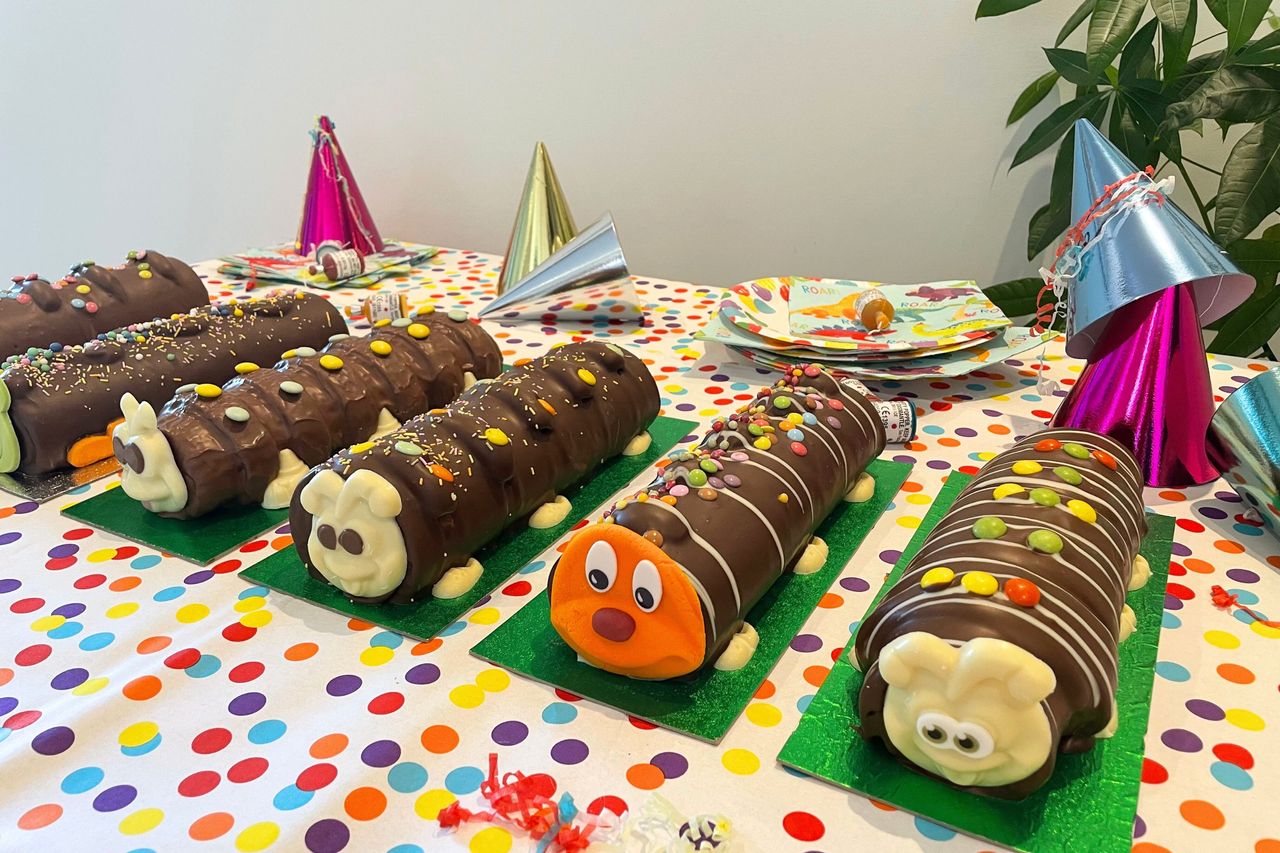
(147, 704)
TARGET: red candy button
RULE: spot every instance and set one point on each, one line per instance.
(1022, 592)
(1048, 445)
(1105, 458)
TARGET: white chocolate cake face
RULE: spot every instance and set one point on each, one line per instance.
(148, 471)
(972, 715)
(355, 541)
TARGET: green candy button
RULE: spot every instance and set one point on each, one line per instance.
(1068, 475)
(1079, 451)
(1045, 541)
(1045, 497)
(697, 478)
(989, 527)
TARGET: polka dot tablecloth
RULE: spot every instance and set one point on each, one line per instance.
(146, 703)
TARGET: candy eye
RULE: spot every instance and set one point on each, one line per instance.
(601, 566)
(646, 586)
(129, 454)
(935, 729)
(973, 740)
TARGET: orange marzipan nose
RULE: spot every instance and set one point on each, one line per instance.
(608, 629)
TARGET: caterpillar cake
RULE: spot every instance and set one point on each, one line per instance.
(662, 587)
(401, 517)
(58, 406)
(998, 646)
(254, 438)
(35, 313)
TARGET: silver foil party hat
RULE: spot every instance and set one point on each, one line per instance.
(1244, 441)
(586, 280)
(1154, 247)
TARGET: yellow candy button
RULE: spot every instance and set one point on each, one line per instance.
(980, 583)
(1082, 510)
(82, 288)
(1005, 489)
(380, 348)
(385, 321)
(937, 578)
(330, 362)
(361, 447)
(246, 367)
(586, 376)
(495, 436)
(1027, 466)
(417, 330)
(208, 391)
(761, 443)
(289, 353)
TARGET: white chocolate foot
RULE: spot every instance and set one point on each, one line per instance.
(739, 651)
(355, 540)
(1141, 573)
(1128, 621)
(289, 472)
(148, 472)
(458, 580)
(813, 558)
(1109, 730)
(638, 445)
(386, 424)
(550, 513)
(468, 379)
(862, 490)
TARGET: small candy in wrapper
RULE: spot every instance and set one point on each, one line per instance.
(659, 827)
(343, 264)
(385, 305)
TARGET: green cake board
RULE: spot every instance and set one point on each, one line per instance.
(200, 540)
(514, 549)
(1090, 800)
(708, 703)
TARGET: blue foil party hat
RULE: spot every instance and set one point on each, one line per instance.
(1155, 247)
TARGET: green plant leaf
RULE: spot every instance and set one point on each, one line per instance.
(1049, 222)
(1016, 298)
(1264, 51)
(1032, 95)
(1177, 42)
(1259, 258)
(992, 8)
(1138, 59)
(1194, 75)
(1077, 18)
(1173, 14)
(1124, 134)
(1234, 94)
(1244, 331)
(1250, 187)
(1241, 18)
(1056, 124)
(1071, 64)
(1111, 25)
(1272, 234)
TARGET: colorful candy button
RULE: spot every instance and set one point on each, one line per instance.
(237, 414)
(1004, 490)
(1045, 497)
(586, 376)
(418, 330)
(408, 448)
(1022, 592)
(246, 367)
(939, 577)
(989, 527)
(1048, 445)
(1105, 458)
(1083, 511)
(1079, 451)
(1044, 541)
(208, 391)
(496, 437)
(980, 583)
(1068, 475)
(361, 447)
(381, 348)
(330, 362)
(697, 478)
(290, 387)
(1026, 467)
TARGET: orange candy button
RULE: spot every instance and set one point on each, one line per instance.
(1022, 592)
(1105, 458)
(1048, 445)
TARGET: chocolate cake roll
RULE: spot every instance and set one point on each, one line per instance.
(401, 517)
(35, 313)
(998, 646)
(254, 438)
(58, 406)
(663, 586)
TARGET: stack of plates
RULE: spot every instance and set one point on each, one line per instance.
(940, 329)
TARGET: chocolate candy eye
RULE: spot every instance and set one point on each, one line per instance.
(601, 566)
(646, 586)
(964, 743)
(129, 454)
(934, 734)
(328, 536)
(351, 542)
(936, 729)
(973, 740)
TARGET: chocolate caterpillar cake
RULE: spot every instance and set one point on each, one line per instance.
(254, 438)
(401, 517)
(35, 313)
(998, 646)
(58, 406)
(662, 587)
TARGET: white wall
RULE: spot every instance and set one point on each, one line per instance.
(854, 138)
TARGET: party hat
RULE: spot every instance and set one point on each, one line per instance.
(1150, 248)
(586, 279)
(543, 222)
(1244, 441)
(333, 208)
(1147, 386)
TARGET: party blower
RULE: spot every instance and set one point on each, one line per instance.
(1140, 279)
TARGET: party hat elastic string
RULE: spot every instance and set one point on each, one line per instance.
(1225, 600)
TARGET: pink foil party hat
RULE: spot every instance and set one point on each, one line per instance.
(1147, 386)
(333, 208)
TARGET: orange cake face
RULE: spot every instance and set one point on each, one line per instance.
(626, 607)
